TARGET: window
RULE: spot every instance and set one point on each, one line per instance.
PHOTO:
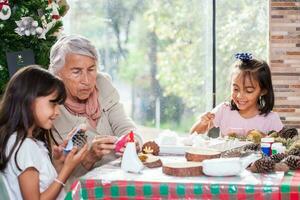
(159, 52)
(241, 26)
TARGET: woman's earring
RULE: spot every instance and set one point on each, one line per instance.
(262, 102)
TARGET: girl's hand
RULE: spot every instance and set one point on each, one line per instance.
(207, 118)
(74, 157)
(57, 151)
(58, 156)
(204, 123)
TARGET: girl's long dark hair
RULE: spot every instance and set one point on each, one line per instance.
(260, 71)
(16, 114)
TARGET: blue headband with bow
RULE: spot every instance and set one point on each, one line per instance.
(243, 56)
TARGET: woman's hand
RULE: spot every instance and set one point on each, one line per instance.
(204, 124)
(101, 145)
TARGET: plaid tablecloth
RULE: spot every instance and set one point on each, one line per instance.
(109, 182)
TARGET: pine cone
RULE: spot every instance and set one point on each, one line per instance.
(252, 147)
(150, 148)
(288, 133)
(281, 167)
(79, 139)
(231, 153)
(263, 165)
(295, 144)
(292, 161)
(278, 157)
(255, 135)
(232, 135)
(294, 151)
(290, 142)
(281, 140)
(273, 134)
(286, 142)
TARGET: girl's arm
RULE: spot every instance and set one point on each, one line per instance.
(30, 188)
(205, 123)
(29, 179)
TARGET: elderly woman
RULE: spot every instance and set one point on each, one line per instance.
(91, 99)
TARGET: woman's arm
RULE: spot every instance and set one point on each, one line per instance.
(121, 124)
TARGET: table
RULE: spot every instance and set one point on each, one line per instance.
(110, 182)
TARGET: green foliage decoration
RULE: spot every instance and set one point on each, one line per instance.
(11, 41)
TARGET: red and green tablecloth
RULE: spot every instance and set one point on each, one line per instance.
(111, 182)
(288, 188)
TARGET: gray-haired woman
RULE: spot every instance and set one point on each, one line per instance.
(91, 98)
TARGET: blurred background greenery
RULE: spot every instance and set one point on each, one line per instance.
(159, 52)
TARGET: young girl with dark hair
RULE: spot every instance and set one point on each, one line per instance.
(251, 104)
(28, 108)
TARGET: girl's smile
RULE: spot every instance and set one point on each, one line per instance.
(245, 92)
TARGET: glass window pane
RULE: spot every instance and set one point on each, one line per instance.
(157, 52)
(242, 26)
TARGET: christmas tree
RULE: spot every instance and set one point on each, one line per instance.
(28, 24)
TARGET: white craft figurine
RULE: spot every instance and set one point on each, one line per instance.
(130, 160)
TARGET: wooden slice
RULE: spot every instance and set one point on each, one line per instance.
(198, 155)
(183, 169)
(152, 162)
